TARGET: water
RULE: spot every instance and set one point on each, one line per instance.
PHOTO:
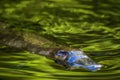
(90, 25)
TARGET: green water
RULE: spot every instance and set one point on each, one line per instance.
(91, 25)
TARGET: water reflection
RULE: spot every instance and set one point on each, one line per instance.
(92, 25)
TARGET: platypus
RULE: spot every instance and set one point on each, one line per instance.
(62, 55)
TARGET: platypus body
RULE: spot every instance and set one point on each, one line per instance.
(34, 43)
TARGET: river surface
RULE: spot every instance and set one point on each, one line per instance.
(90, 25)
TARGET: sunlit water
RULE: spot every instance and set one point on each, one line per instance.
(91, 25)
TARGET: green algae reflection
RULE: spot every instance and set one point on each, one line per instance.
(91, 25)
